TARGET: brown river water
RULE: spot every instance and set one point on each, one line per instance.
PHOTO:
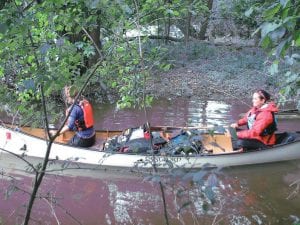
(260, 194)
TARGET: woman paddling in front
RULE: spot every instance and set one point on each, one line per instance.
(261, 123)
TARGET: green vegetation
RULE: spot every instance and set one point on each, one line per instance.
(55, 43)
(236, 11)
(280, 35)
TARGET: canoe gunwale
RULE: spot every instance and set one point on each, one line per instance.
(172, 156)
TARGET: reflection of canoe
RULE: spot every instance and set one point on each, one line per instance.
(27, 142)
(285, 115)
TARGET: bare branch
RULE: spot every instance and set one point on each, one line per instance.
(52, 209)
(45, 112)
(20, 157)
(96, 46)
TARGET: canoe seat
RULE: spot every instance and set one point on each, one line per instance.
(285, 138)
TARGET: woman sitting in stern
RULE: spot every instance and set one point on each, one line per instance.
(261, 123)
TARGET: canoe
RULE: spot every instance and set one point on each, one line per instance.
(30, 143)
(291, 114)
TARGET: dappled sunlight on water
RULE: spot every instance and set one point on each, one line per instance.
(207, 113)
(193, 112)
(179, 112)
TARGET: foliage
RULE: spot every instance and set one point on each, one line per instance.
(238, 11)
(175, 10)
(34, 52)
(44, 44)
(280, 35)
(55, 43)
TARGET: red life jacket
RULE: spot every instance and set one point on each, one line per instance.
(87, 113)
(264, 117)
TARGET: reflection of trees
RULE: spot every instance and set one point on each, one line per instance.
(18, 186)
(197, 194)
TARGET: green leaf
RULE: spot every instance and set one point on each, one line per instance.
(149, 100)
(79, 44)
(285, 12)
(267, 27)
(89, 51)
(120, 49)
(30, 58)
(292, 78)
(290, 22)
(271, 11)
(249, 12)
(166, 67)
(114, 84)
(282, 47)
(176, 13)
(1, 72)
(266, 42)
(277, 34)
(297, 39)
(274, 68)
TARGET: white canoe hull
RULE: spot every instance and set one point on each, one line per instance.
(13, 142)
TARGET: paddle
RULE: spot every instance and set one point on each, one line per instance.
(232, 132)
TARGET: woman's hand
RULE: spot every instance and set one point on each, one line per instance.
(234, 125)
(52, 132)
(68, 110)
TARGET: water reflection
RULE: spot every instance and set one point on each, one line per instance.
(193, 112)
(206, 113)
(182, 112)
(242, 195)
(268, 192)
(260, 194)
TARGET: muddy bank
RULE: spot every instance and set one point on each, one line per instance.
(213, 72)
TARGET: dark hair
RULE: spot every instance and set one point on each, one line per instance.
(263, 95)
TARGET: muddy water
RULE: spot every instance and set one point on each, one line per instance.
(243, 195)
(179, 112)
(263, 194)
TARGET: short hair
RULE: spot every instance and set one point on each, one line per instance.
(72, 91)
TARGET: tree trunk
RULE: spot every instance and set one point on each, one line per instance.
(188, 27)
(95, 35)
(167, 23)
(204, 25)
(192, 32)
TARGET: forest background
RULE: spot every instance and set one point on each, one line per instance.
(145, 49)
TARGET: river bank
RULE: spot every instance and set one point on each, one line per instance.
(213, 72)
